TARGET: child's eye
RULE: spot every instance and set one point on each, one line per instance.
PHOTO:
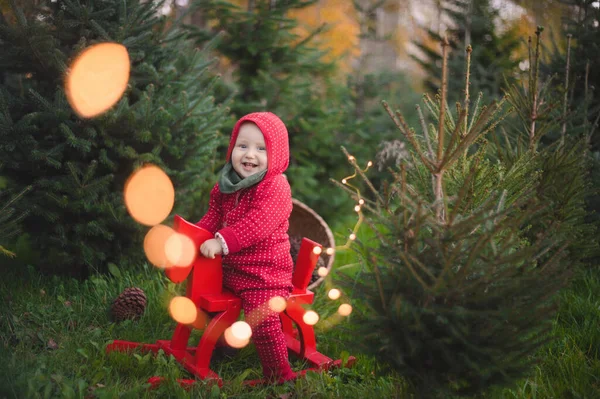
(262, 148)
(242, 145)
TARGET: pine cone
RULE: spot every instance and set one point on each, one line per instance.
(130, 304)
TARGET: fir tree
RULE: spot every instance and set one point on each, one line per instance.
(276, 70)
(543, 128)
(452, 294)
(473, 23)
(78, 167)
(578, 83)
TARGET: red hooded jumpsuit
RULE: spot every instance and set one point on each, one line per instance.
(254, 222)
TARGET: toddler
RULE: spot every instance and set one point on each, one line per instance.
(249, 212)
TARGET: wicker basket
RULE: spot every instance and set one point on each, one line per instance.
(304, 222)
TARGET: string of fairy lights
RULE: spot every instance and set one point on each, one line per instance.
(94, 83)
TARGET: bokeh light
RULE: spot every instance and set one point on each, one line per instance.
(233, 341)
(97, 79)
(183, 310)
(155, 245)
(317, 250)
(345, 309)
(330, 251)
(334, 293)
(180, 250)
(241, 330)
(149, 195)
(277, 304)
(201, 319)
(311, 317)
(322, 271)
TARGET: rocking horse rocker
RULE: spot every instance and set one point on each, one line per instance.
(205, 290)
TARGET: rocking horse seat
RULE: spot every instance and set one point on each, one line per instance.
(219, 302)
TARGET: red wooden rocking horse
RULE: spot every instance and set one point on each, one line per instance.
(204, 288)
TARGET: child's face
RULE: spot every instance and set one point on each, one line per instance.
(249, 156)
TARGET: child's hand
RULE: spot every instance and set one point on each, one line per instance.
(211, 247)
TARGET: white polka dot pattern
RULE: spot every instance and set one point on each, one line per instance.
(254, 222)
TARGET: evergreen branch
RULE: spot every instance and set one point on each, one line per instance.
(462, 193)
(473, 134)
(378, 279)
(15, 198)
(409, 136)
(21, 19)
(453, 138)
(467, 91)
(565, 98)
(594, 126)
(99, 30)
(6, 252)
(440, 149)
(425, 131)
(475, 115)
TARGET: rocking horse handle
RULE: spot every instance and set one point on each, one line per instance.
(207, 274)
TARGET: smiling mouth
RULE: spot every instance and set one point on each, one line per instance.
(249, 164)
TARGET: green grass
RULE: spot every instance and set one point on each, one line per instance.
(53, 333)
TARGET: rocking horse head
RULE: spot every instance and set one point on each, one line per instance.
(205, 275)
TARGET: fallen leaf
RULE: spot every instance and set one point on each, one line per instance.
(52, 344)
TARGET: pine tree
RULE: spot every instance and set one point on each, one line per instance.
(78, 167)
(473, 23)
(578, 85)
(453, 295)
(544, 127)
(276, 70)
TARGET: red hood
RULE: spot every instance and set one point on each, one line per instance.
(276, 140)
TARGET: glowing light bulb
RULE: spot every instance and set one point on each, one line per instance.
(345, 309)
(97, 79)
(317, 250)
(183, 310)
(357, 208)
(233, 341)
(344, 181)
(330, 251)
(370, 163)
(149, 195)
(334, 294)
(351, 158)
(361, 201)
(352, 237)
(322, 271)
(277, 304)
(311, 317)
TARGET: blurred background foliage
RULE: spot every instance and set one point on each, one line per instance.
(324, 66)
